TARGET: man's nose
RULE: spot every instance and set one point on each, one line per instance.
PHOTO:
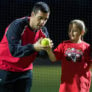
(42, 22)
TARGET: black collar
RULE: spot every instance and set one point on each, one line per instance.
(29, 25)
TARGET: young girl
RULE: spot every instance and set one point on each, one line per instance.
(75, 56)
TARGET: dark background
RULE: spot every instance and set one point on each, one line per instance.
(62, 12)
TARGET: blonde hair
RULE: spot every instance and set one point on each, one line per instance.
(80, 24)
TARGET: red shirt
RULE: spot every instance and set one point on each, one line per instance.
(75, 62)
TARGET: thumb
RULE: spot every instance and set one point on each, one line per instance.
(40, 40)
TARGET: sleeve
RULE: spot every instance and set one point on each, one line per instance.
(88, 55)
(14, 40)
(58, 51)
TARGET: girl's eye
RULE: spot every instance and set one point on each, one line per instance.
(74, 30)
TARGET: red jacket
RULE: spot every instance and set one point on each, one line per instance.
(16, 49)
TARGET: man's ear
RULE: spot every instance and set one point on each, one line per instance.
(32, 14)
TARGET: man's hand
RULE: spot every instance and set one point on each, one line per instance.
(38, 46)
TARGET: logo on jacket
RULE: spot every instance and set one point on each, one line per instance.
(73, 54)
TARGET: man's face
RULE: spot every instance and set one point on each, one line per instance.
(39, 19)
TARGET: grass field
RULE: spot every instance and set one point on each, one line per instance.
(47, 78)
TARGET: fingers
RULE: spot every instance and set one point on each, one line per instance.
(51, 44)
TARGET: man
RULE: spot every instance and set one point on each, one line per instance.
(19, 48)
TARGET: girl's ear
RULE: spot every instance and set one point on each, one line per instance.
(83, 32)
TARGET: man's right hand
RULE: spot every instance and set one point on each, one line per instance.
(37, 45)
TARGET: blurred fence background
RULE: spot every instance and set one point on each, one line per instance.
(62, 12)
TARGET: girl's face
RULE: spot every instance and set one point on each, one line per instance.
(74, 33)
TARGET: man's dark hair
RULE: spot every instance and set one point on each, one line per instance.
(42, 6)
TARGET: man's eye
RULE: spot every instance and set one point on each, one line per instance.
(45, 19)
(40, 18)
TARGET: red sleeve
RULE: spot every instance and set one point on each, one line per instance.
(58, 51)
(88, 55)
